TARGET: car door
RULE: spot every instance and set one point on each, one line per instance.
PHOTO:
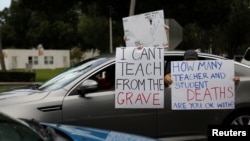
(97, 109)
(184, 122)
(181, 122)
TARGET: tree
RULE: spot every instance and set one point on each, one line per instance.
(52, 23)
(238, 30)
(2, 22)
(4, 5)
(84, 23)
(94, 33)
(3, 68)
(193, 36)
(76, 54)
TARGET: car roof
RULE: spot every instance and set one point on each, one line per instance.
(200, 54)
(171, 53)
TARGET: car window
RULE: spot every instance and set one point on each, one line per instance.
(247, 55)
(241, 69)
(105, 78)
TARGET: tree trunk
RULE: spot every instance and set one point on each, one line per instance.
(1, 52)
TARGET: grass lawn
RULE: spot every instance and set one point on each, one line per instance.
(43, 75)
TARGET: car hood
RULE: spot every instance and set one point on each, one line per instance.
(17, 92)
(19, 96)
(78, 133)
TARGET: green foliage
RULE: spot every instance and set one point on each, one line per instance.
(17, 76)
(222, 25)
(193, 36)
(238, 30)
(51, 23)
(76, 54)
(94, 32)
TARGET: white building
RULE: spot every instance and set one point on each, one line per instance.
(36, 59)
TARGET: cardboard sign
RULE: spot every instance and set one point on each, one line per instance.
(204, 84)
(145, 30)
(139, 77)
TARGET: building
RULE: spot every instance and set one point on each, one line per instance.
(36, 59)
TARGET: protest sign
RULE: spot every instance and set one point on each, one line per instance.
(206, 84)
(145, 30)
(139, 77)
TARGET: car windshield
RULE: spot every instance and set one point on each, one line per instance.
(71, 74)
(16, 130)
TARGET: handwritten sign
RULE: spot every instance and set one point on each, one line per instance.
(139, 77)
(145, 29)
(204, 84)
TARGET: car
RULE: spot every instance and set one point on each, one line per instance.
(74, 97)
(13, 129)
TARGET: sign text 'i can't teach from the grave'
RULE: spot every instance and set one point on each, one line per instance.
(139, 77)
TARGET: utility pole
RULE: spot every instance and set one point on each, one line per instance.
(110, 35)
(132, 7)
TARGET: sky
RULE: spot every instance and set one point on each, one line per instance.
(4, 4)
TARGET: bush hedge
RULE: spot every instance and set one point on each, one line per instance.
(11, 76)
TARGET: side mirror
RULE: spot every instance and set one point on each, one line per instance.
(88, 85)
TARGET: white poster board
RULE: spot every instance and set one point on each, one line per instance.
(146, 30)
(139, 77)
(204, 84)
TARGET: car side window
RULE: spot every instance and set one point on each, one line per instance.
(105, 78)
(167, 64)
